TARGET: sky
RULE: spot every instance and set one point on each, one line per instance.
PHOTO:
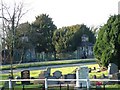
(70, 12)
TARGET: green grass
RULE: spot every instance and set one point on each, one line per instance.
(47, 63)
(115, 86)
(39, 87)
(29, 86)
(64, 70)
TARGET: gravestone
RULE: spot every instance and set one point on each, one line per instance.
(112, 69)
(41, 76)
(70, 76)
(57, 74)
(47, 72)
(90, 70)
(94, 77)
(115, 76)
(94, 68)
(82, 73)
(25, 75)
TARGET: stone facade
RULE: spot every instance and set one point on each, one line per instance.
(85, 50)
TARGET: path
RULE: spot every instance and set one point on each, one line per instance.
(44, 67)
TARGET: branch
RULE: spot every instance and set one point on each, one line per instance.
(19, 11)
(4, 18)
(6, 8)
(20, 14)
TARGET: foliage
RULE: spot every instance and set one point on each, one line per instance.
(69, 38)
(22, 36)
(42, 32)
(107, 46)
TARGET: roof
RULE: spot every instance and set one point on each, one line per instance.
(86, 44)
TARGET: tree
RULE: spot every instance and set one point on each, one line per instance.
(42, 32)
(107, 46)
(22, 41)
(22, 35)
(67, 39)
(10, 20)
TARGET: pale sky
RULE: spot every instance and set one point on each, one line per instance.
(71, 12)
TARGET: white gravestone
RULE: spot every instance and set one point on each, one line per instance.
(82, 73)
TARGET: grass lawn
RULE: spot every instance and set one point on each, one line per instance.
(64, 70)
(69, 70)
(46, 63)
(115, 86)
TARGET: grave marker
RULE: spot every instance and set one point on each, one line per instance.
(25, 75)
(112, 69)
(57, 74)
(82, 73)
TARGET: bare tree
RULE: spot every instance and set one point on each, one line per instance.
(11, 17)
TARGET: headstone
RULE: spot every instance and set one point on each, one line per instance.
(70, 76)
(112, 69)
(90, 70)
(57, 74)
(47, 72)
(116, 76)
(94, 77)
(41, 76)
(82, 73)
(46, 75)
(94, 68)
(25, 75)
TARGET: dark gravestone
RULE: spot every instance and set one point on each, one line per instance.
(94, 77)
(90, 70)
(94, 68)
(112, 69)
(70, 76)
(25, 75)
(119, 78)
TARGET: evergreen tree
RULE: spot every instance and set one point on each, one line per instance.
(107, 46)
(42, 32)
(68, 38)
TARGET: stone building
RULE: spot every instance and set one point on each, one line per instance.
(85, 50)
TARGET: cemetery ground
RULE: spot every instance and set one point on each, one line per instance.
(64, 70)
(46, 63)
